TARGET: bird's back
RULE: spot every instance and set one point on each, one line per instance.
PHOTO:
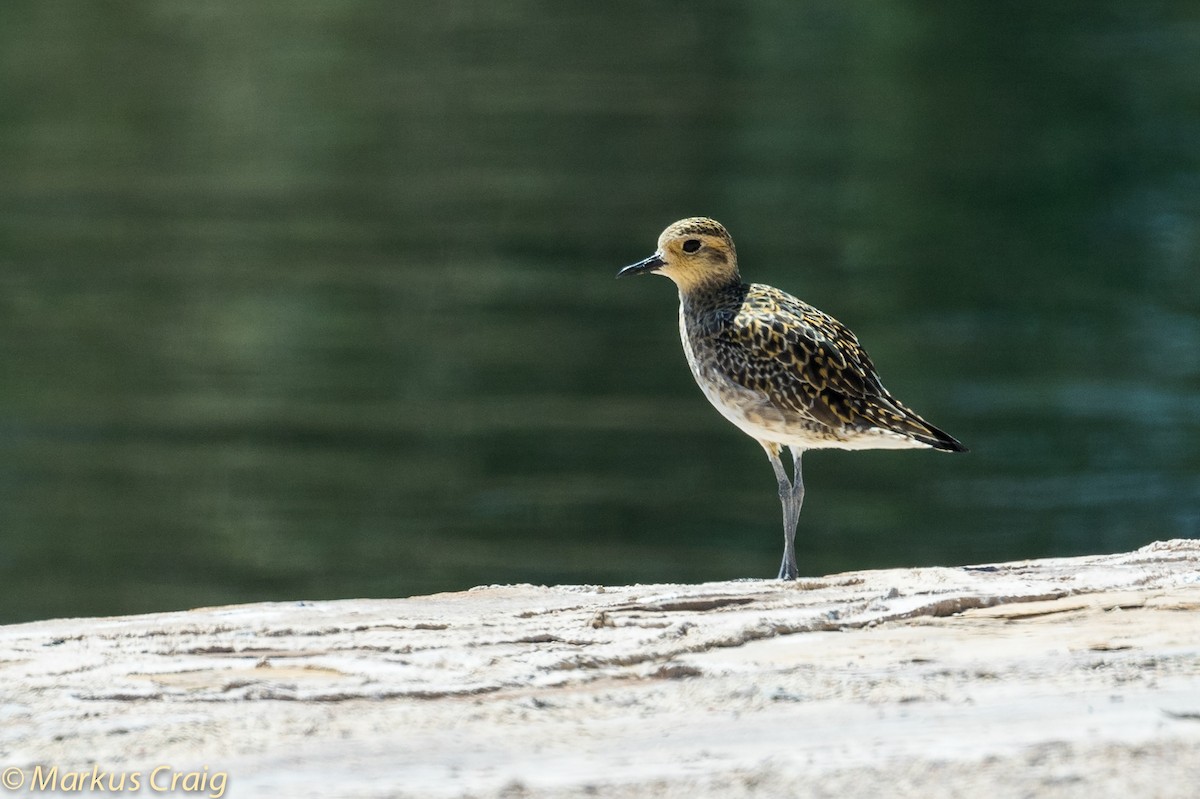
(786, 372)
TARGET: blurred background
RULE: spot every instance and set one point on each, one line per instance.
(309, 299)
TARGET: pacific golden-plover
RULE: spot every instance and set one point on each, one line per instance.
(787, 374)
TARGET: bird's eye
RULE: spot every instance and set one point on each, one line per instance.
(691, 245)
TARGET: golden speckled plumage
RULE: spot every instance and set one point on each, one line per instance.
(810, 383)
(784, 372)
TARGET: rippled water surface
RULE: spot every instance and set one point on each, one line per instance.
(307, 300)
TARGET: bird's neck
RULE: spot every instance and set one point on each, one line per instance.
(704, 314)
(712, 296)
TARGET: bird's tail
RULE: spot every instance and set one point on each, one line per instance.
(939, 439)
(903, 420)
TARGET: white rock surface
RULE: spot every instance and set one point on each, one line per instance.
(1066, 677)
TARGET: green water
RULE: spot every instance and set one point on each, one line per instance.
(316, 299)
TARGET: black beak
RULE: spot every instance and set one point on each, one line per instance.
(651, 264)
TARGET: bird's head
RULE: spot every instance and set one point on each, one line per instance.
(695, 253)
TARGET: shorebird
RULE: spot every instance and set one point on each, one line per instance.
(788, 375)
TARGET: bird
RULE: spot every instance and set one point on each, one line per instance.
(787, 374)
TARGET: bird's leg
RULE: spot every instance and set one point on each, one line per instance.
(791, 512)
(788, 570)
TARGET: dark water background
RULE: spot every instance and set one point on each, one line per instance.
(315, 299)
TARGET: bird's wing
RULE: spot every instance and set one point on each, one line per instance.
(811, 365)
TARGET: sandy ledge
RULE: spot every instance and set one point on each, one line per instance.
(1066, 677)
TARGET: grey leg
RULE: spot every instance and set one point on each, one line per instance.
(791, 511)
(797, 503)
